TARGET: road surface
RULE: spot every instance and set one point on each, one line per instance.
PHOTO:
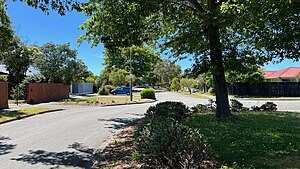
(70, 138)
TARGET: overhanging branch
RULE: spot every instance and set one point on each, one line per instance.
(197, 6)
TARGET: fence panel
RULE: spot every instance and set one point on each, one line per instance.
(44, 92)
(271, 89)
(3, 95)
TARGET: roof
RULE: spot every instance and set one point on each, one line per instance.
(290, 72)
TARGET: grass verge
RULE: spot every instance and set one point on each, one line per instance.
(195, 95)
(10, 115)
(253, 139)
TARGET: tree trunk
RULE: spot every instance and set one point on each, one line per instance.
(221, 92)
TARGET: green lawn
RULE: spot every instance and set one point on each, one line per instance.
(8, 115)
(195, 95)
(253, 139)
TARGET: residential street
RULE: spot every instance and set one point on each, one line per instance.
(68, 138)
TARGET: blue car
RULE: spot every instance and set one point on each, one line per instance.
(121, 90)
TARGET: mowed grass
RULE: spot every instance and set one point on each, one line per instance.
(8, 115)
(195, 95)
(253, 139)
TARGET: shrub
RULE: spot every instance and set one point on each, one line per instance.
(103, 91)
(269, 106)
(212, 106)
(148, 93)
(17, 93)
(175, 110)
(200, 108)
(165, 143)
(236, 106)
(211, 91)
(109, 87)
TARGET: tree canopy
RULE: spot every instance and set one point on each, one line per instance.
(217, 34)
(59, 64)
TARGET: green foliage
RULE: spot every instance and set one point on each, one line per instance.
(200, 108)
(214, 34)
(60, 65)
(103, 91)
(3, 78)
(166, 70)
(148, 93)
(109, 87)
(142, 57)
(119, 77)
(249, 73)
(175, 110)
(188, 83)
(252, 140)
(236, 106)
(17, 93)
(175, 84)
(165, 143)
(268, 106)
(36, 78)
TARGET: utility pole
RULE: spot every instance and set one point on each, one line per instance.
(130, 76)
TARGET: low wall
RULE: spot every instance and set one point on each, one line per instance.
(81, 88)
(3, 95)
(44, 92)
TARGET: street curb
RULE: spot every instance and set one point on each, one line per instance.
(23, 117)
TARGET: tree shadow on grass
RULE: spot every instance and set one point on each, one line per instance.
(83, 157)
(119, 123)
(253, 140)
(4, 147)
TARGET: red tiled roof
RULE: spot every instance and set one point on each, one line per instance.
(290, 72)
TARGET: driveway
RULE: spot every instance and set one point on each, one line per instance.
(70, 138)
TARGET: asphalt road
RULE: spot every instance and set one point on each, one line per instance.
(70, 138)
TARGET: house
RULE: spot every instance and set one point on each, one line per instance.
(3, 70)
(285, 75)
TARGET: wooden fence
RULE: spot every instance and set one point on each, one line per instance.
(270, 89)
(43, 92)
(3, 95)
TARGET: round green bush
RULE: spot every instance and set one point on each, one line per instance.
(175, 110)
(165, 143)
(148, 93)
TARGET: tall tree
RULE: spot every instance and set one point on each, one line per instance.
(17, 57)
(6, 32)
(142, 57)
(60, 65)
(166, 70)
(119, 77)
(214, 32)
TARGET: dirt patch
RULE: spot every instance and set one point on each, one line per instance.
(117, 154)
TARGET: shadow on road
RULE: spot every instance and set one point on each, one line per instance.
(82, 157)
(119, 122)
(4, 147)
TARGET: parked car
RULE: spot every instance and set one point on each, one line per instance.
(121, 90)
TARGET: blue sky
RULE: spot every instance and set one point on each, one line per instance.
(35, 27)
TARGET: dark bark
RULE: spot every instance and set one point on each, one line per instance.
(223, 109)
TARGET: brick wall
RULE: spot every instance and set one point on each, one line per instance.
(3, 95)
(44, 92)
